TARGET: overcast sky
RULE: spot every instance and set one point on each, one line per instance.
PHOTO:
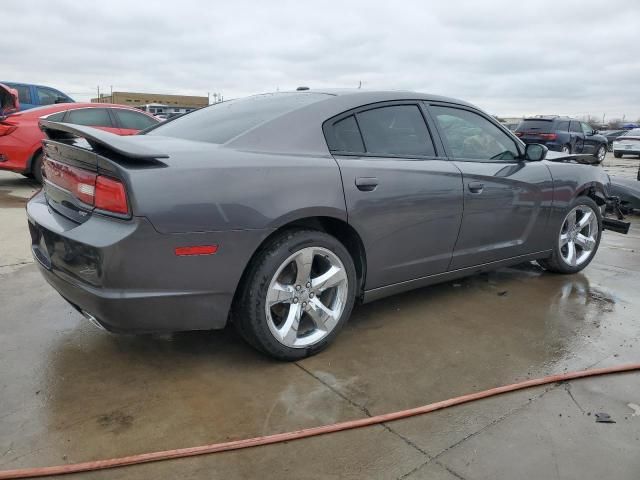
(508, 57)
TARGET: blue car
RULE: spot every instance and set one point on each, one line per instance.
(31, 96)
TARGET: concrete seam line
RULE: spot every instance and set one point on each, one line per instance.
(304, 433)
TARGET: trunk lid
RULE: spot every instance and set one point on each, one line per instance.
(83, 164)
(9, 102)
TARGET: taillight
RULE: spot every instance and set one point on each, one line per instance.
(7, 128)
(548, 136)
(95, 190)
(110, 195)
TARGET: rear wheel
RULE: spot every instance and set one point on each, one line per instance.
(36, 167)
(577, 239)
(566, 149)
(617, 154)
(601, 153)
(298, 293)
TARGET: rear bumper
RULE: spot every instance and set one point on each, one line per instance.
(14, 154)
(635, 151)
(126, 275)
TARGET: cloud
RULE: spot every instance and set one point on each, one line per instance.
(510, 58)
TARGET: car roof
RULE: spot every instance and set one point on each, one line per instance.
(548, 117)
(61, 107)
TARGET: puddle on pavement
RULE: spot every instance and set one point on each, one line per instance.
(10, 201)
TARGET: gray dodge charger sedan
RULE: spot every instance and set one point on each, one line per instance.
(278, 212)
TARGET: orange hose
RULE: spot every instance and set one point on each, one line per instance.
(305, 433)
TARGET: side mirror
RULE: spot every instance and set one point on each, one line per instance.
(534, 152)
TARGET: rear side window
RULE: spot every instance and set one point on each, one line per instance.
(221, 122)
(538, 126)
(562, 126)
(346, 136)
(93, 117)
(56, 117)
(395, 130)
(575, 127)
(133, 120)
(24, 93)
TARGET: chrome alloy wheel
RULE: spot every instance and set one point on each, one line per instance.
(602, 152)
(578, 235)
(306, 297)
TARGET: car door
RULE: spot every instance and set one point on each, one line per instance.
(131, 122)
(507, 200)
(92, 117)
(402, 195)
(577, 137)
(591, 142)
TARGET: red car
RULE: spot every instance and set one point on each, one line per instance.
(21, 137)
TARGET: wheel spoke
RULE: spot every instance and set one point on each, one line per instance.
(571, 254)
(289, 330)
(332, 277)
(303, 260)
(571, 220)
(564, 239)
(280, 293)
(586, 218)
(587, 243)
(323, 317)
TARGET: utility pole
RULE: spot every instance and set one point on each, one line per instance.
(99, 101)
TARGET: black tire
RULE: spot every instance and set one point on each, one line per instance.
(566, 149)
(601, 150)
(36, 167)
(617, 154)
(249, 315)
(555, 263)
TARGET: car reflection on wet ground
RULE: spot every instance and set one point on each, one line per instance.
(69, 392)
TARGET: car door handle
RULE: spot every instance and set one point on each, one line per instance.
(366, 184)
(476, 187)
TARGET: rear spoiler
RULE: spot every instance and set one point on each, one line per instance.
(125, 146)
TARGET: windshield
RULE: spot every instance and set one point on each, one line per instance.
(221, 122)
(633, 132)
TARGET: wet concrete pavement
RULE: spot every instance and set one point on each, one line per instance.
(69, 392)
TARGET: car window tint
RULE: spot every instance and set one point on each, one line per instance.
(537, 126)
(395, 130)
(221, 122)
(575, 127)
(134, 120)
(56, 117)
(562, 126)
(93, 117)
(47, 96)
(346, 136)
(471, 136)
(587, 128)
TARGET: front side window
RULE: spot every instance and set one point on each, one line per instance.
(133, 120)
(47, 96)
(575, 127)
(587, 129)
(92, 117)
(471, 136)
(395, 130)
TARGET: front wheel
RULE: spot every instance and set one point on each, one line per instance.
(577, 239)
(617, 154)
(601, 153)
(36, 167)
(298, 292)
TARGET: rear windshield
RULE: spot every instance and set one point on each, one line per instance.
(534, 126)
(221, 122)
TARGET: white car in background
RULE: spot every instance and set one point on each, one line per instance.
(627, 144)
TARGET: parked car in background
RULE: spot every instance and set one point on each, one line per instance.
(32, 96)
(611, 135)
(278, 212)
(627, 144)
(21, 137)
(563, 134)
